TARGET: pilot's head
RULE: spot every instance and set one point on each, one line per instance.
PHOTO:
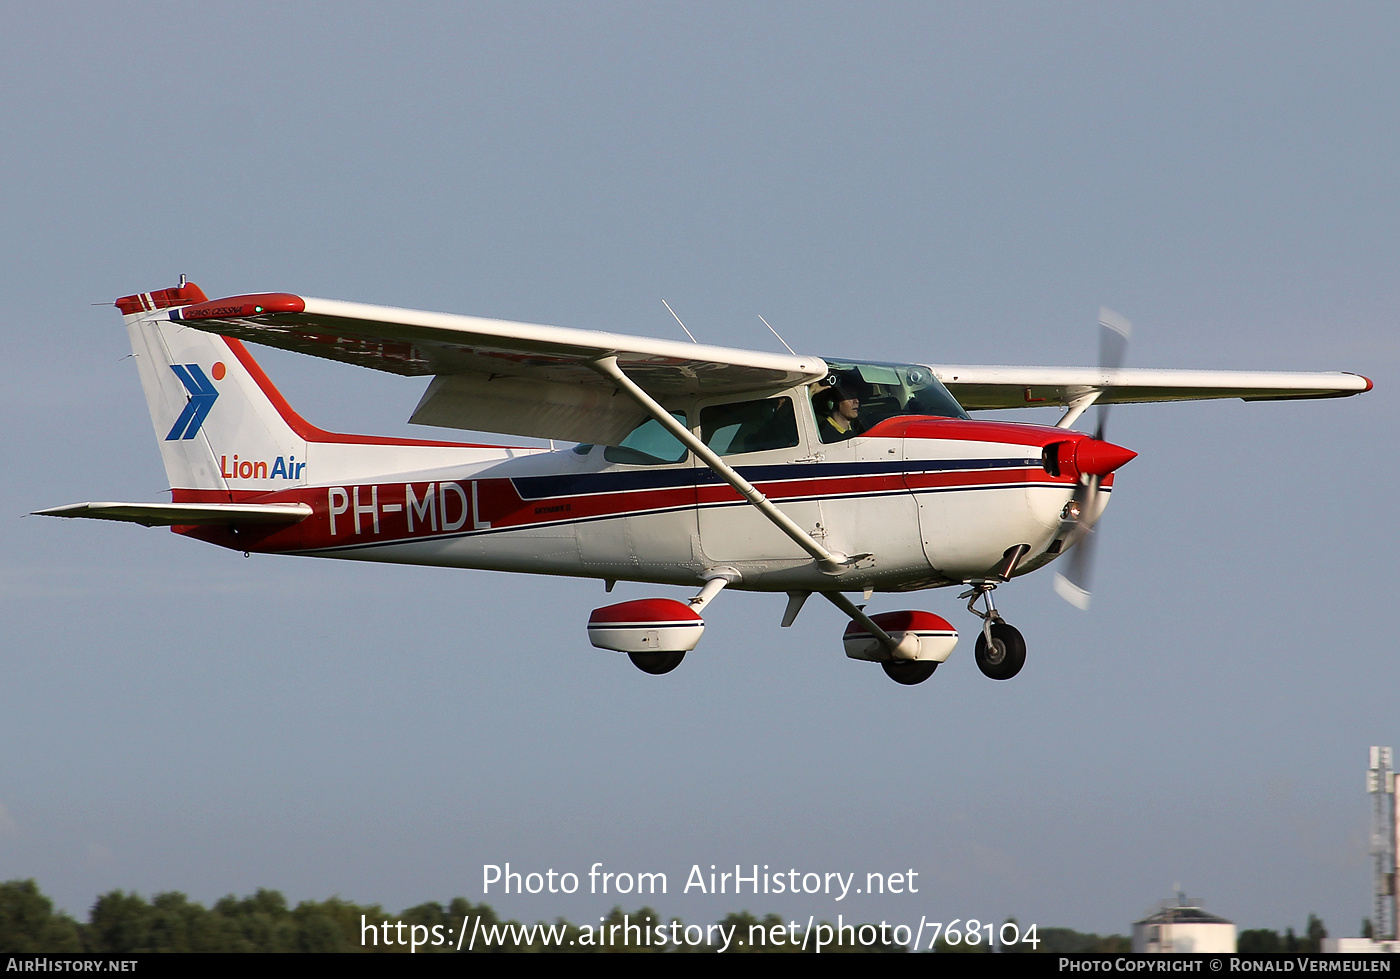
(841, 398)
(843, 403)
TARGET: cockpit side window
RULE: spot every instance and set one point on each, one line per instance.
(878, 391)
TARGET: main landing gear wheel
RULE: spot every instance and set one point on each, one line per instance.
(1005, 655)
(908, 671)
(658, 662)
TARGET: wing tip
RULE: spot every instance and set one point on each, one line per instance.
(256, 304)
(184, 294)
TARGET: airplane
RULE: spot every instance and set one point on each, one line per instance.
(696, 466)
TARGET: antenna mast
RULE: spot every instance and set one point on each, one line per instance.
(678, 320)
(778, 335)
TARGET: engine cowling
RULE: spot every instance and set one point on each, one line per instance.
(933, 637)
(646, 625)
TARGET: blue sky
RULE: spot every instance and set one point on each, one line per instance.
(944, 183)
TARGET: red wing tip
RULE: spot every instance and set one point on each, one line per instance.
(193, 304)
(257, 304)
(145, 302)
(1369, 383)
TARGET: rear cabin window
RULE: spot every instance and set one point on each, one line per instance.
(749, 426)
(649, 444)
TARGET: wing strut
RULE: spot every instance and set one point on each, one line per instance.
(1077, 407)
(831, 562)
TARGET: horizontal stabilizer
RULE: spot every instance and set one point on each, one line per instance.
(184, 514)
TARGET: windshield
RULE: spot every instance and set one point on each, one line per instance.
(883, 391)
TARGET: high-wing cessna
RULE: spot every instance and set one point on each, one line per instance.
(699, 466)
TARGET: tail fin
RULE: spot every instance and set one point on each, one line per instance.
(213, 409)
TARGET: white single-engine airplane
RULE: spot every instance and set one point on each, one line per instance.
(699, 466)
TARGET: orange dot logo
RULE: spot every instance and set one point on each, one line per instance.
(219, 371)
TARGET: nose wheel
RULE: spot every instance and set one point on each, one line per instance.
(1001, 656)
(1001, 649)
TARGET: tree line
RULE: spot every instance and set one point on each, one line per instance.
(264, 922)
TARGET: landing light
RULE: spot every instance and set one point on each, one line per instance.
(1071, 511)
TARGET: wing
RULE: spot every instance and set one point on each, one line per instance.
(498, 376)
(1029, 387)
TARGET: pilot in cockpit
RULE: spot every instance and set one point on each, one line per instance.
(838, 408)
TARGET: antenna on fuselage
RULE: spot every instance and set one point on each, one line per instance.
(778, 335)
(678, 320)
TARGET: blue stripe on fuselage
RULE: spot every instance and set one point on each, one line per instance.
(584, 484)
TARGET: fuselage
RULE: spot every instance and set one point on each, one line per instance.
(932, 500)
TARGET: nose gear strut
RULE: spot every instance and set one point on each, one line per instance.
(982, 589)
(1001, 649)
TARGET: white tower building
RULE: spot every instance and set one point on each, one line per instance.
(1182, 926)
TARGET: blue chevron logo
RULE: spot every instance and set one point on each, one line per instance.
(203, 394)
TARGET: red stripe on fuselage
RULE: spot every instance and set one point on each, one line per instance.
(943, 480)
